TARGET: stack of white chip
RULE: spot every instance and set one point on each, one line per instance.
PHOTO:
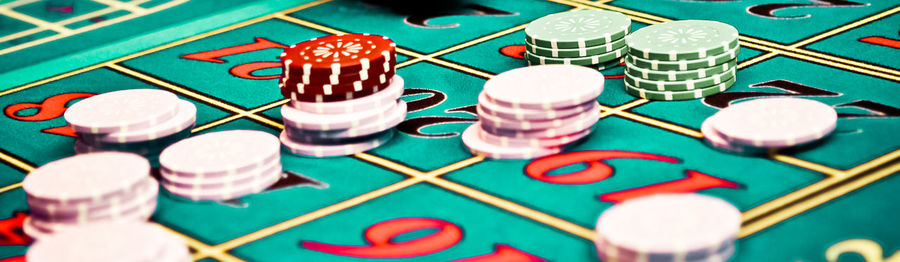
(140, 121)
(535, 111)
(111, 242)
(323, 129)
(754, 126)
(668, 227)
(221, 165)
(89, 189)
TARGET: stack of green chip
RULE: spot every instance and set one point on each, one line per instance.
(593, 38)
(681, 60)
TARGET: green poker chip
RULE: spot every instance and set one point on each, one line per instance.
(678, 75)
(607, 65)
(577, 29)
(678, 95)
(575, 52)
(534, 59)
(684, 85)
(681, 40)
(683, 65)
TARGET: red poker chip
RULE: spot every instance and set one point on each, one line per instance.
(342, 78)
(336, 54)
(294, 85)
(343, 92)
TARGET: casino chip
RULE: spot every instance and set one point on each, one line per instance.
(592, 38)
(221, 165)
(337, 68)
(681, 60)
(108, 242)
(679, 95)
(95, 188)
(770, 123)
(164, 119)
(122, 111)
(534, 111)
(544, 87)
(717, 141)
(682, 40)
(344, 95)
(668, 227)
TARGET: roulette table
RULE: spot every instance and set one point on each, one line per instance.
(423, 196)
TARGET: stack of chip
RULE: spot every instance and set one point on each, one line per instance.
(221, 165)
(681, 60)
(668, 227)
(345, 95)
(88, 189)
(534, 111)
(140, 121)
(592, 38)
(754, 126)
(111, 242)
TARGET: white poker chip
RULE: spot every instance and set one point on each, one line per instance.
(86, 177)
(682, 227)
(776, 122)
(220, 153)
(122, 111)
(545, 86)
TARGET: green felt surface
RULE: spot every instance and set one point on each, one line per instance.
(797, 204)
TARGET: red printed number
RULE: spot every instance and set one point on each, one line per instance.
(381, 245)
(503, 253)
(50, 108)
(597, 171)
(245, 70)
(882, 41)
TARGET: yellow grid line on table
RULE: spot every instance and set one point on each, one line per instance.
(302, 219)
(18, 3)
(216, 123)
(190, 93)
(22, 33)
(10, 187)
(198, 245)
(846, 27)
(484, 38)
(35, 21)
(757, 59)
(812, 189)
(817, 200)
(66, 21)
(433, 178)
(472, 42)
(91, 27)
(849, 65)
(16, 162)
(128, 6)
(660, 124)
(515, 208)
(807, 55)
(791, 51)
(874, 162)
(160, 48)
(807, 165)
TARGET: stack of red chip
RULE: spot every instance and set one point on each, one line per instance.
(344, 94)
(337, 67)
